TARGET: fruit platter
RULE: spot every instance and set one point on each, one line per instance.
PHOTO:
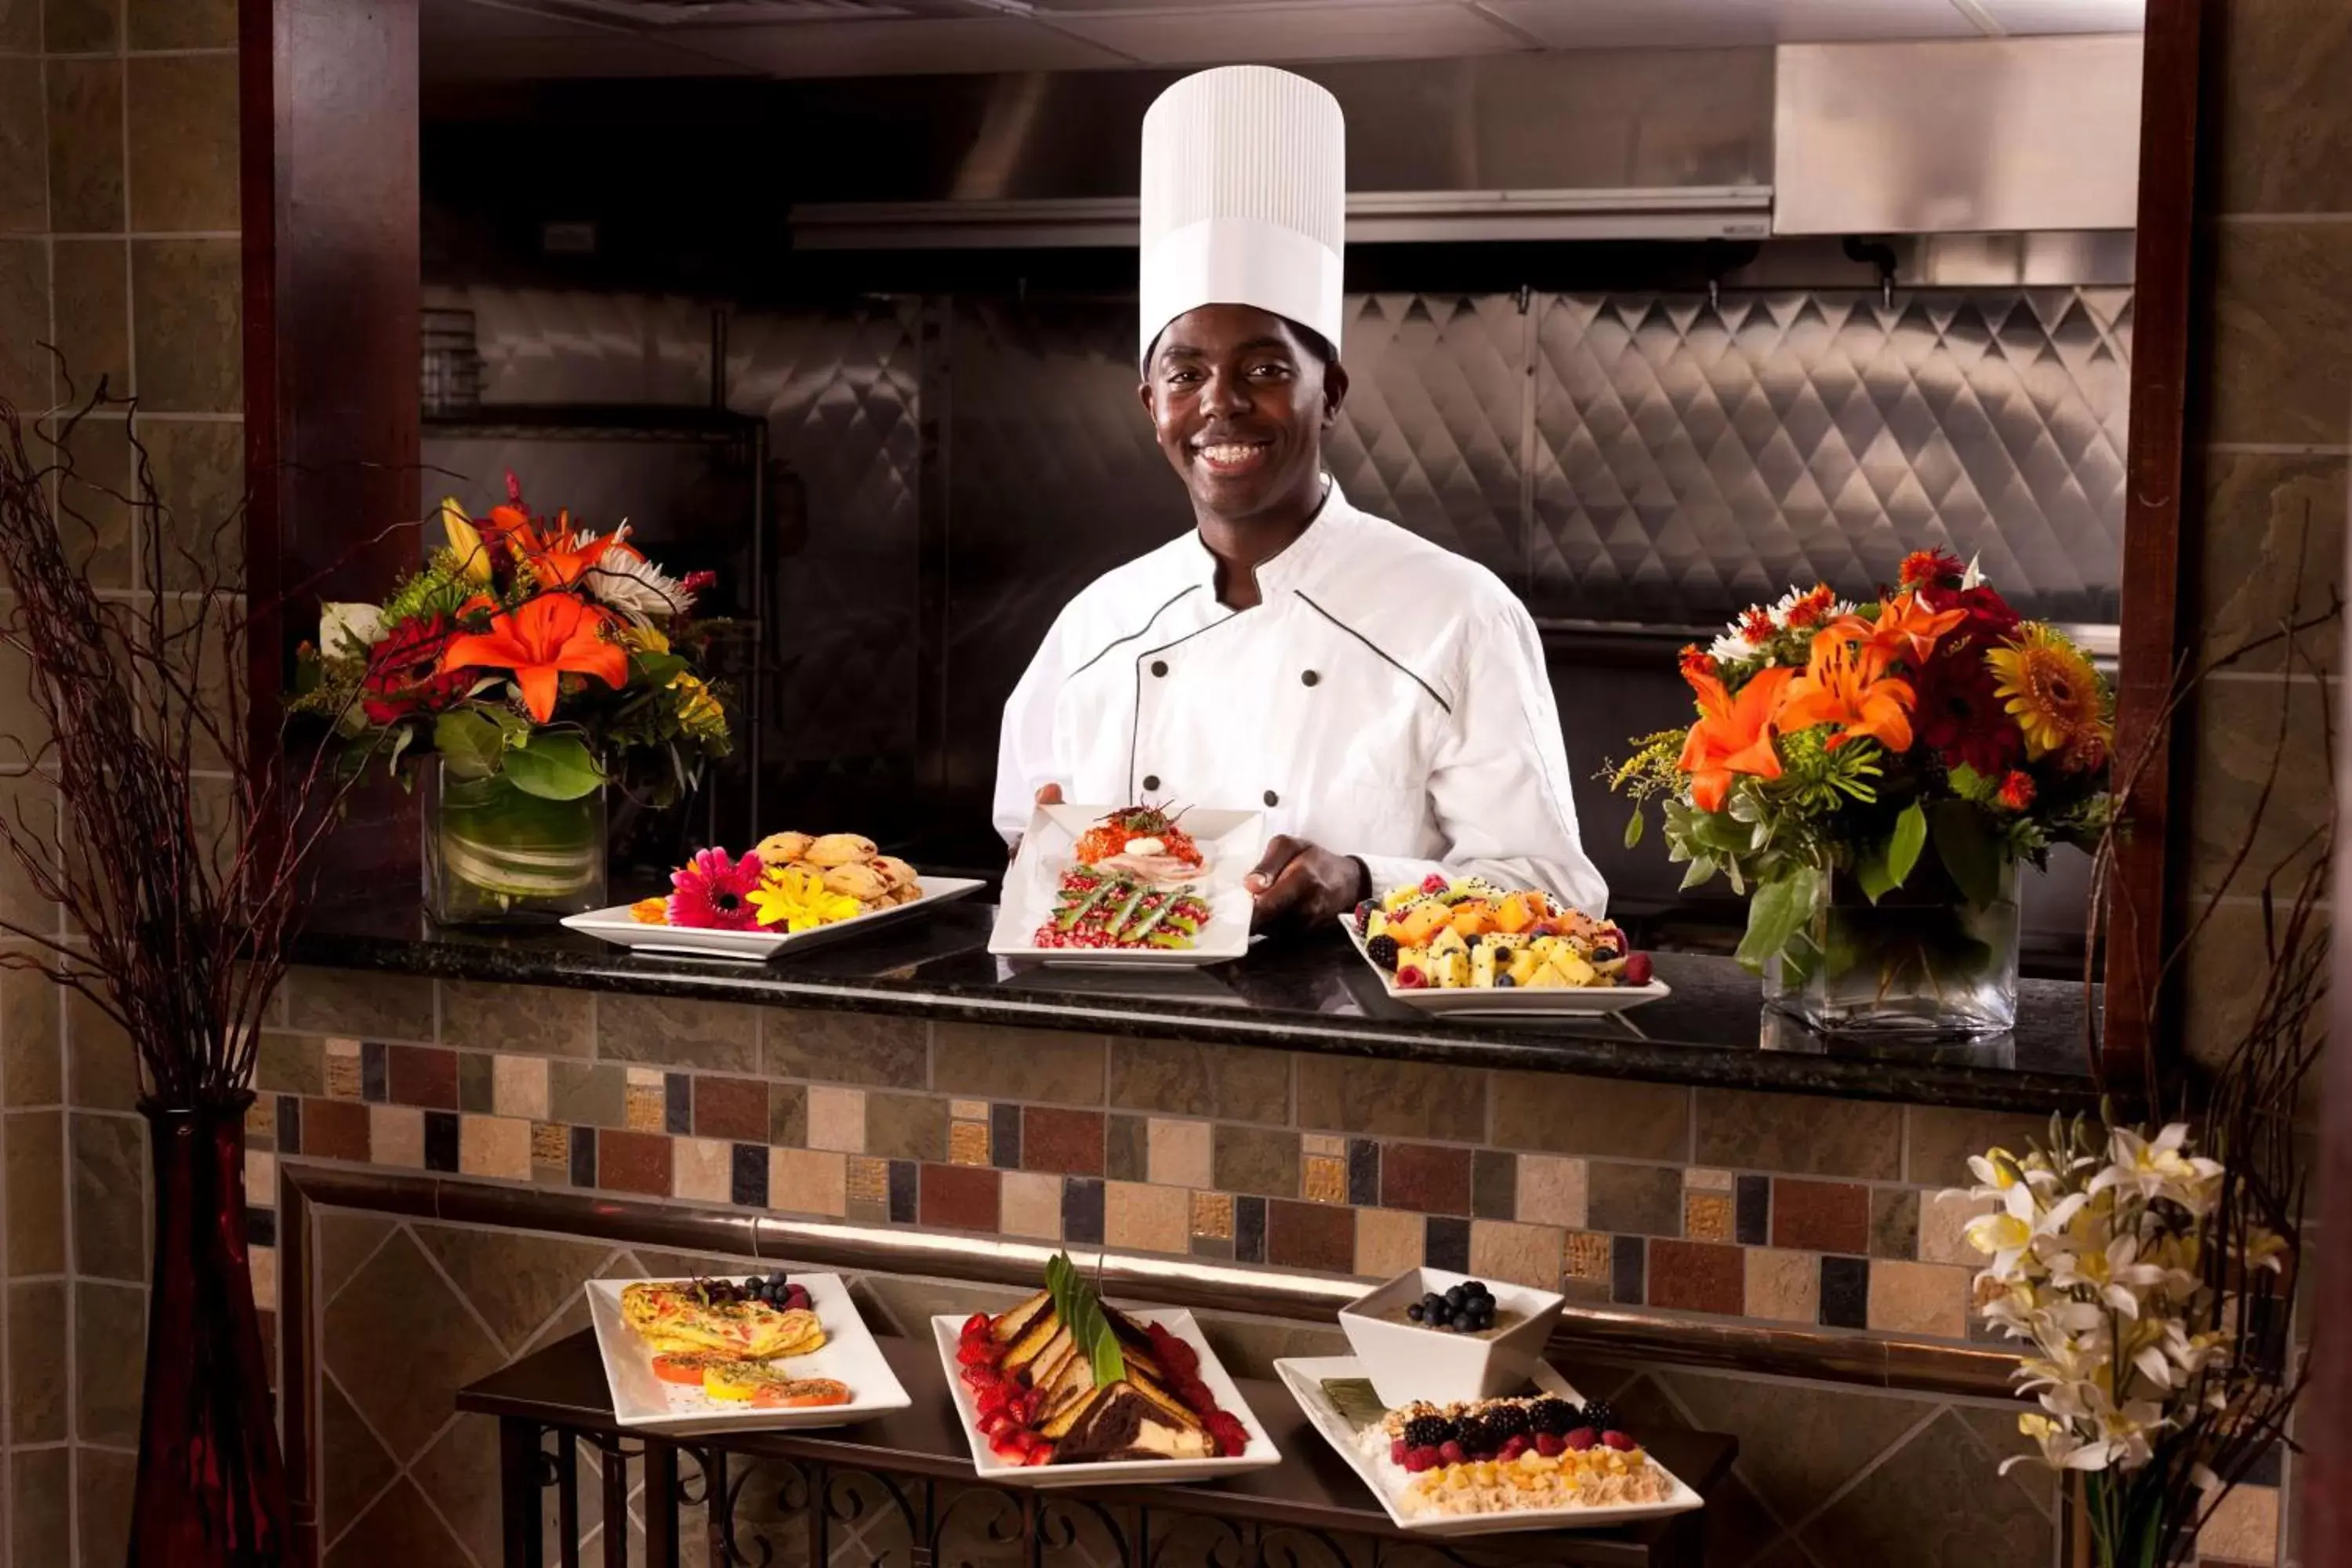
(1466, 946)
(792, 889)
(1540, 1457)
(688, 1357)
(1065, 1389)
(1138, 886)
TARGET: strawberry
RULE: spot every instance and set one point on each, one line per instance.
(974, 1354)
(1043, 1453)
(976, 1327)
(1619, 1441)
(1227, 1432)
(1639, 970)
(1583, 1438)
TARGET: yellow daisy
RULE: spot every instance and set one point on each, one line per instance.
(2056, 697)
(799, 901)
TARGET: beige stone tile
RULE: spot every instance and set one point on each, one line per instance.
(31, 1065)
(83, 26)
(2244, 1526)
(2235, 941)
(516, 1281)
(837, 1119)
(1401, 1099)
(261, 1176)
(647, 1102)
(864, 1049)
(1920, 1298)
(25, 367)
(1561, 1115)
(185, 308)
(535, 1020)
(20, 27)
(1139, 1217)
(2281, 147)
(1261, 1160)
(1910, 1497)
(359, 1004)
(1894, 1222)
(809, 1181)
(345, 1078)
(1181, 1153)
(1699, 1179)
(2273, 529)
(906, 1126)
(40, 1391)
(1388, 1242)
(102, 1070)
(2281, 346)
(40, 1522)
(1029, 1205)
(104, 1480)
(1785, 1287)
(1186, 1077)
(90, 280)
(2260, 777)
(1942, 1141)
(399, 1343)
(85, 127)
(1800, 1134)
(1522, 1254)
(968, 1110)
(519, 1087)
(396, 1135)
(1941, 1222)
(199, 472)
(1329, 1143)
(1552, 1191)
(710, 1036)
(496, 1146)
(184, 136)
(1017, 1064)
(264, 1270)
(586, 1095)
(108, 1194)
(702, 1168)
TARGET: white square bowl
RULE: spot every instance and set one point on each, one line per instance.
(1231, 841)
(1407, 1361)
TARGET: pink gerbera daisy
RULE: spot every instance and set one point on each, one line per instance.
(713, 891)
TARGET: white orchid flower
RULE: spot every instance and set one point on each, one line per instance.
(2008, 1233)
(2112, 1274)
(2156, 1167)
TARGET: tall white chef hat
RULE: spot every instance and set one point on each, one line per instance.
(1244, 199)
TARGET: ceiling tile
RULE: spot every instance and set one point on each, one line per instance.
(2020, 16)
(903, 47)
(1340, 32)
(1724, 24)
(443, 60)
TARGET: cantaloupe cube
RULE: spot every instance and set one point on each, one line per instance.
(1512, 914)
(1474, 919)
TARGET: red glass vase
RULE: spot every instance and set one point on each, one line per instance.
(212, 1484)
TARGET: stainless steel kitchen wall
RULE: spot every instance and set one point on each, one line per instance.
(950, 470)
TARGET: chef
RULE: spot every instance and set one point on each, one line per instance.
(1381, 700)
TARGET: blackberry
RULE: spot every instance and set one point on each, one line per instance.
(1599, 1416)
(1382, 950)
(1506, 1421)
(1428, 1432)
(1479, 1436)
(1552, 1417)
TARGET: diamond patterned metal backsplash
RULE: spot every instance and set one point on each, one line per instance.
(1651, 458)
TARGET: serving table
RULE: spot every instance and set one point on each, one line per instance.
(899, 1488)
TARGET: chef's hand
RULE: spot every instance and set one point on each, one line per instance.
(1048, 794)
(1300, 887)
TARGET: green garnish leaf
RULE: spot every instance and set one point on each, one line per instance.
(1081, 1311)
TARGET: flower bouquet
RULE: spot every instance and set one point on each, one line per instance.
(536, 663)
(1871, 776)
(2154, 1301)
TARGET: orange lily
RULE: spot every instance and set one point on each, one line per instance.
(540, 640)
(557, 565)
(1907, 628)
(1734, 735)
(1844, 686)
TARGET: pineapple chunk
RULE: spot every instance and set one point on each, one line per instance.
(1506, 940)
(1573, 969)
(1377, 925)
(1524, 966)
(1448, 941)
(1547, 977)
(1452, 968)
(1482, 966)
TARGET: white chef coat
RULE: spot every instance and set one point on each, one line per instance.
(1386, 699)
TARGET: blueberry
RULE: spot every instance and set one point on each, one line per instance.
(1414, 1314)
(1456, 1295)
(1504, 983)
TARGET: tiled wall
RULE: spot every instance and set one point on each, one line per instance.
(1769, 1206)
(118, 244)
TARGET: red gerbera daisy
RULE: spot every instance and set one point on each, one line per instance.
(713, 891)
(1990, 620)
(1939, 568)
(403, 674)
(1961, 717)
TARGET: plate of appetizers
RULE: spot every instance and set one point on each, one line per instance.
(793, 890)
(1138, 886)
(1468, 946)
(1542, 1457)
(1065, 1390)
(688, 1357)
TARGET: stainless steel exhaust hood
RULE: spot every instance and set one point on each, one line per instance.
(1652, 145)
(1992, 137)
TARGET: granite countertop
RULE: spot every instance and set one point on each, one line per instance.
(1311, 995)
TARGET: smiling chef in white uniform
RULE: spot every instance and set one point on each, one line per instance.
(1382, 700)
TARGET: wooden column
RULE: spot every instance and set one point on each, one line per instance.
(328, 120)
(2323, 1476)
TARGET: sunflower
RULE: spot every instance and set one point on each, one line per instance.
(2056, 697)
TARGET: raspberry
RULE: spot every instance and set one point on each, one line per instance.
(1452, 1453)
(1411, 978)
(1435, 884)
(1639, 970)
(1396, 1452)
(1419, 1459)
(1619, 1441)
(1549, 1446)
(1513, 1449)
(1583, 1438)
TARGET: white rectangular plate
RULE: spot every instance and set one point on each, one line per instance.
(615, 925)
(848, 1354)
(1305, 1377)
(1260, 1454)
(1231, 842)
(1557, 1002)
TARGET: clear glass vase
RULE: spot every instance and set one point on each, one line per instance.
(498, 855)
(1921, 964)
